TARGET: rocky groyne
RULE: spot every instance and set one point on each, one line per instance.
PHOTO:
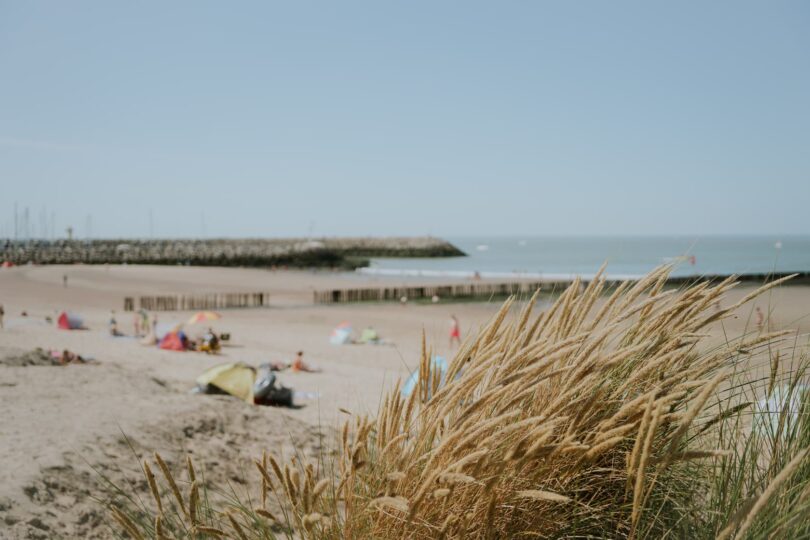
(260, 252)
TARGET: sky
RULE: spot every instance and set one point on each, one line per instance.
(179, 119)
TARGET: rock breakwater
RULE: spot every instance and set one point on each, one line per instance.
(259, 252)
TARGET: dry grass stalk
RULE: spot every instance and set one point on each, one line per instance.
(541, 495)
(396, 503)
(192, 475)
(193, 502)
(760, 502)
(237, 528)
(266, 483)
(150, 479)
(211, 531)
(126, 524)
(167, 474)
(160, 534)
(266, 514)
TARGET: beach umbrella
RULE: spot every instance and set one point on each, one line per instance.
(204, 316)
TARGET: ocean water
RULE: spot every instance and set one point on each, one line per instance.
(627, 257)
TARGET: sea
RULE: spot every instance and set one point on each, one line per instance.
(627, 257)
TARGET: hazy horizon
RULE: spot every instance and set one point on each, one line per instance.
(199, 119)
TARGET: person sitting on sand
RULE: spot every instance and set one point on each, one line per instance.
(299, 365)
(210, 342)
(68, 357)
(114, 325)
(211, 338)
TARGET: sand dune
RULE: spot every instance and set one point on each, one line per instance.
(60, 422)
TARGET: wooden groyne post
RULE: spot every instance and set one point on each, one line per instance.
(181, 302)
(464, 290)
(489, 289)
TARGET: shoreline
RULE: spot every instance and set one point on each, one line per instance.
(802, 277)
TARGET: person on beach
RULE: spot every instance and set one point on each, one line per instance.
(2, 312)
(760, 318)
(455, 331)
(114, 325)
(210, 342)
(64, 280)
(68, 357)
(136, 324)
(144, 321)
(299, 365)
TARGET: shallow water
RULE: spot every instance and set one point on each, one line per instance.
(626, 256)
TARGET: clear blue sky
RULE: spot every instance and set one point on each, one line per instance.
(406, 118)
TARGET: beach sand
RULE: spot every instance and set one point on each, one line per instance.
(64, 428)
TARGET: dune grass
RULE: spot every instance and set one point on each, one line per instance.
(608, 419)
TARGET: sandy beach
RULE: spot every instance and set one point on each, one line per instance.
(58, 421)
(62, 427)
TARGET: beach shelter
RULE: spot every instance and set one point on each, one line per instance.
(342, 334)
(438, 362)
(7, 264)
(235, 379)
(173, 341)
(783, 401)
(204, 316)
(369, 335)
(69, 321)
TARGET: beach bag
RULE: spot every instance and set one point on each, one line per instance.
(266, 391)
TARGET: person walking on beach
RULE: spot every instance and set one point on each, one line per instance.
(2, 312)
(760, 318)
(64, 280)
(455, 331)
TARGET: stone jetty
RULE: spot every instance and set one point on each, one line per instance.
(258, 252)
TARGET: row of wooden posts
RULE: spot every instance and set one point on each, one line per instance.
(489, 289)
(180, 302)
(465, 290)
(381, 294)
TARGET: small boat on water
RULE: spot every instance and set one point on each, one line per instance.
(482, 247)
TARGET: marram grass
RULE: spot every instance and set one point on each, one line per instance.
(591, 422)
